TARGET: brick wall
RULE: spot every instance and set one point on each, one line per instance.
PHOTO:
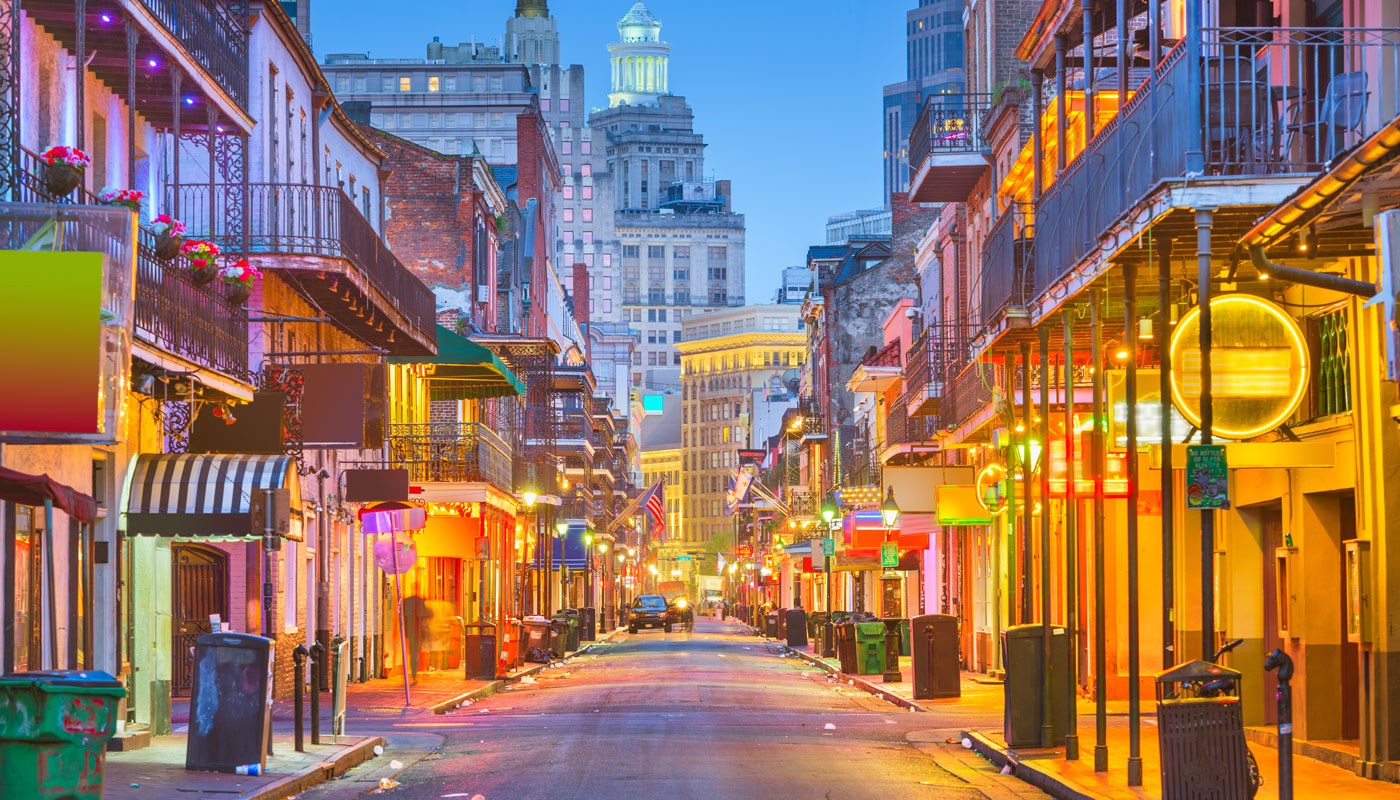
(581, 298)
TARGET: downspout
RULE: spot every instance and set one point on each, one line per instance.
(1320, 280)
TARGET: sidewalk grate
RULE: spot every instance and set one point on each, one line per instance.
(385, 710)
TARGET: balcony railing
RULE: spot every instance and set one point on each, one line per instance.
(213, 34)
(1006, 275)
(311, 220)
(949, 123)
(451, 452)
(1273, 101)
(192, 321)
(904, 429)
(966, 393)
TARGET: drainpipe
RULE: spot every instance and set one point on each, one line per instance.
(1195, 125)
(1038, 140)
(1168, 485)
(1061, 98)
(1088, 61)
(1335, 283)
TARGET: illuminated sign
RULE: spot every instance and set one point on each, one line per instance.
(1258, 360)
(988, 491)
(1115, 483)
(743, 551)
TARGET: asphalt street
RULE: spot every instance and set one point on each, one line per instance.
(706, 715)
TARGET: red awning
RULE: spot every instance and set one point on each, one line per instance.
(33, 490)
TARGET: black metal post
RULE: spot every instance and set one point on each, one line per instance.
(1037, 138)
(1279, 660)
(176, 77)
(1164, 305)
(1047, 730)
(133, 37)
(79, 81)
(318, 653)
(1204, 221)
(1072, 549)
(1130, 346)
(1027, 502)
(1061, 99)
(829, 630)
(298, 699)
(1088, 62)
(1100, 603)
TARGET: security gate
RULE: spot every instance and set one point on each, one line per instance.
(199, 588)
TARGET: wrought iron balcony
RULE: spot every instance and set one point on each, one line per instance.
(193, 322)
(292, 219)
(213, 34)
(948, 147)
(451, 452)
(967, 392)
(904, 429)
(1006, 278)
(1272, 101)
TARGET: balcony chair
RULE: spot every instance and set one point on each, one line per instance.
(1342, 111)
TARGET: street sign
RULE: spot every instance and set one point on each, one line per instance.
(828, 546)
(743, 550)
(682, 558)
(889, 554)
(1207, 477)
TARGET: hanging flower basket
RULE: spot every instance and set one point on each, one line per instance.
(239, 276)
(170, 235)
(127, 198)
(64, 172)
(204, 260)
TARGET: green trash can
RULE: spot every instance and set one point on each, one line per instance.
(571, 616)
(54, 727)
(870, 648)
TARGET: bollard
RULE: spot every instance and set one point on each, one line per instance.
(1279, 660)
(318, 653)
(298, 688)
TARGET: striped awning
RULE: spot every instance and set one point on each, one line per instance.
(203, 495)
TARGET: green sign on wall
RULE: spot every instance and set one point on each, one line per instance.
(889, 554)
(1207, 477)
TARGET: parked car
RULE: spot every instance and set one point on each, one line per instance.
(648, 611)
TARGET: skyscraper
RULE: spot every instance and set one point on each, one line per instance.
(680, 244)
(933, 65)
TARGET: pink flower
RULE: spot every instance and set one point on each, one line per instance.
(62, 154)
(166, 225)
(240, 272)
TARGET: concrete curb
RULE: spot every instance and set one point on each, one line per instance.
(495, 686)
(337, 765)
(1029, 772)
(859, 681)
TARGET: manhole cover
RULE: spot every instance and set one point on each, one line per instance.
(386, 710)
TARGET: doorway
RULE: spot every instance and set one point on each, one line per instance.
(198, 590)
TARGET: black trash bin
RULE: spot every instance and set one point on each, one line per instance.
(846, 645)
(770, 624)
(1201, 739)
(478, 650)
(590, 624)
(571, 616)
(816, 623)
(1024, 660)
(782, 623)
(796, 626)
(558, 636)
(537, 645)
(230, 702)
(934, 650)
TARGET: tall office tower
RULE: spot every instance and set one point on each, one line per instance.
(934, 65)
(532, 35)
(680, 244)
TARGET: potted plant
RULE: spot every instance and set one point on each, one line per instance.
(204, 257)
(64, 172)
(239, 276)
(128, 198)
(170, 234)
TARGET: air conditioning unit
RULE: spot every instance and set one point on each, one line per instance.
(483, 294)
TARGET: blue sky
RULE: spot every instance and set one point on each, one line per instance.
(786, 92)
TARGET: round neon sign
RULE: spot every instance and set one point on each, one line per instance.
(1259, 366)
(987, 493)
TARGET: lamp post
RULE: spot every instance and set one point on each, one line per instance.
(561, 532)
(828, 630)
(587, 572)
(889, 514)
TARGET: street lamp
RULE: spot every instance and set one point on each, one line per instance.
(561, 529)
(587, 576)
(889, 510)
(828, 630)
(529, 495)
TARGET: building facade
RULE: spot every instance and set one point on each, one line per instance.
(933, 65)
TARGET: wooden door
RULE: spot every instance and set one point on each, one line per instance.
(198, 588)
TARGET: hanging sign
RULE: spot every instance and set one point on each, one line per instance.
(1115, 480)
(395, 554)
(1258, 361)
(743, 551)
(889, 554)
(393, 520)
(1207, 477)
(828, 546)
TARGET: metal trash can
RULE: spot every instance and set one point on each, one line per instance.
(770, 624)
(846, 646)
(54, 727)
(230, 702)
(571, 616)
(510, 643)
(1201, 739)
(937, 671)
(590, 624)
(479, 650)
(558, 636)
(870, 647)
(816, 622)
(1024, 659)
(782, 623)
(537, 639)
(796, 626)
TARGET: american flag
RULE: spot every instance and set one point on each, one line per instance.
(656, 507)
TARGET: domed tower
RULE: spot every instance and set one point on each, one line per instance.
(532, 35)
(640, 60)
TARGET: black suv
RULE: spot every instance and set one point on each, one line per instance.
(648, 611)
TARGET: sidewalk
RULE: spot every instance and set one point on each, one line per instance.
(1051, 772)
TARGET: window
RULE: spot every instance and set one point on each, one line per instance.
(449, 84)
(587, 169)
(544, 104)
(587, 215)
(498, 119)
(478, 83)
(387, 85)
(719, 274)
(587, 148)
(718, 253)
(564, 105)
(676, 357)
(498, 147)
(566, 147)
(675, 336)
(607, 259)
(656, 251)
(480, 118)
(405, 84)
(496, 83)
(588, 193)
(377, 120)
(607, 281)
(568, 215)
(435, 120)
(434, 83)
(342, 83)
(568, 191)
(449, 120)
(682, 274)
(588, 259)
(607, 306)
(588, 237)
(628, 251)
(680, 253)
(651, 315)
(661, 317)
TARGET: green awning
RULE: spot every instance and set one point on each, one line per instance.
(464, 370)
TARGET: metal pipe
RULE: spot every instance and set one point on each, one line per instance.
(1061, 98)
(1195, 125)
(1027, 503)
(1071, 539)
(1037, 138)
(1134, 690)
(1087, 11)
(1307, 277)
(1047, 731)
(1100, 661)
(1204, 221)
(1164, 278)
(80, 74)
(175, 78)
(298, 699)
(133, 37)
